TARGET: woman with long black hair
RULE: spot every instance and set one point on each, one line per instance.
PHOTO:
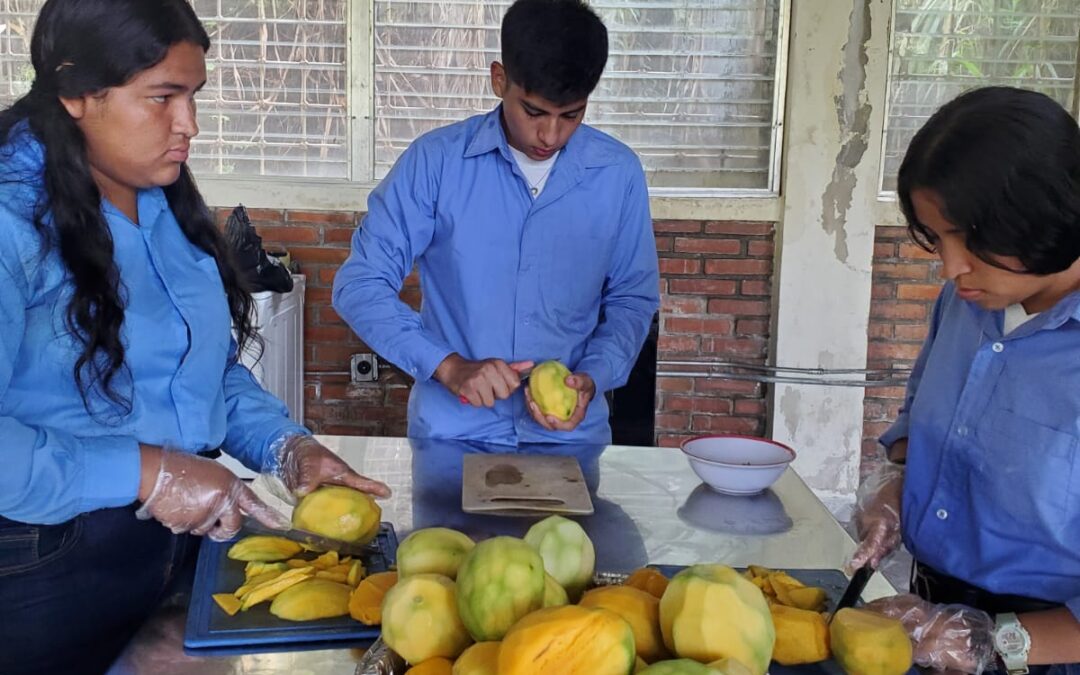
(117, 361)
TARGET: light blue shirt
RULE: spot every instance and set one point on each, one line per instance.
(571, 275)
(992, 491)
(59, 461)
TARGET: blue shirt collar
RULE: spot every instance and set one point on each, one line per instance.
(579, 152)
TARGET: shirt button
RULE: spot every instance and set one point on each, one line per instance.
(942, 514)
(998, 347)
(962, 431)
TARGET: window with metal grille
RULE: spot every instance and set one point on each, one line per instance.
(690, 84)
(941, 48)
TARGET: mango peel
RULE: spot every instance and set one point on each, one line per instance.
(547, 386)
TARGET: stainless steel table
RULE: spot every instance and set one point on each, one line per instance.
(649, 508)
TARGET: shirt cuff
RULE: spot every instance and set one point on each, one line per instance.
(598, 370)
(898, 430)
(111, 471)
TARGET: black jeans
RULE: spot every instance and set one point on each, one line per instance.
(929, 584)
(72, 595)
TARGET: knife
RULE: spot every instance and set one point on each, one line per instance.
(312, 540)
(522, 381)
(854, 589)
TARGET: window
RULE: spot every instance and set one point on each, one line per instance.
(942, 48)
(690, 85)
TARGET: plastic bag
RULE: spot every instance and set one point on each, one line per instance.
(260, 271)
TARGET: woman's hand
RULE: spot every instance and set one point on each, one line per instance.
(303, 464)
(944, 637)
(188, 493)
(586, 390)
(877, 515)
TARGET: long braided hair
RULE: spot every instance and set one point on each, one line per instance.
(82, 47)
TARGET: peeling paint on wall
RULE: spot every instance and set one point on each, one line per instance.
(789, 408)
(853, 110)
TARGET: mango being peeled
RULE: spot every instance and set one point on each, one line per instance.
(433, 550)
(547, 386)
(867, 643)
(338, 512)
(802, 636)
(500, 581)
(420, 618)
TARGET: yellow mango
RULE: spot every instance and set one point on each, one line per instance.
(336, 577)
(554, 593)
(730, 666)
(811, 598)
(256, 581)
(481, 658)
(338, 512)
(710, 612)
(433, 550)
(227, 602)
(648, 579)
(356, 573)
(255, 568)
(867, 643)
(547, 386)
(269, 589)
(326, 560)
(568, 640)
(420, 618)
(312, 599)
(802, 636)
(263, 548)
(639, 609)
(435, 666)
(365, 603)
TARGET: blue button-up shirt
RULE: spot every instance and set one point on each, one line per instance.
(571, 275)
(992, 491)
(58, 461)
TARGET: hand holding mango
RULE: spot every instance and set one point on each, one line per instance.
(558, 399)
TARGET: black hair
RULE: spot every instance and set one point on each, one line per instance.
(82, 47)
(1006, 164)
(556, 49)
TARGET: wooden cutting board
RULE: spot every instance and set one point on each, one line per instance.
(523, 485)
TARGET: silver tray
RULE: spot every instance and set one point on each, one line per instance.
(379, 659)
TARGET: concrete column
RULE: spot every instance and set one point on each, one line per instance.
(836, 78)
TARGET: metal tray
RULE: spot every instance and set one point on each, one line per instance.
(209, 630)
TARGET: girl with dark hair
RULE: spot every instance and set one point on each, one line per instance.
(117, 363)
(984, 483)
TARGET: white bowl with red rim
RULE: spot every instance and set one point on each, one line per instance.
(737, 465)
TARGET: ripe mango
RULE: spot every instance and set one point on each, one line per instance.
(420, 618)
(312, 599)
(866, 643)
(433, 550)
(568, 640)
(261, 548)
(547, 386)
(338, 512)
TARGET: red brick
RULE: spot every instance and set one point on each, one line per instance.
(898, 310)
(875, 429)
(702, 286)
(720, 384)
(698, 404)
(307, 254)
(674, 304)
(884, 250)
(879, 331)
(911, 331)
(696, 326)
(903, 351)
(677, 226)
(889, 392)
(736, 227)
(332, 217)
(664, 243)
(883, 290)
(917, 291)
(674, 384)
(326, 275)
(327, 334)
(760, 248)
(358, 429)
(298, 235)
(713, 246)
(912, 251)
(327, 316)
(725, 424)
(749, 406)
(751, 327)
(906, 271)
(677, 344)
(337, 235)
(739, 307)
(333, 353)
(737, 267)
(891, 233)
(754, 287)
(737, 346)
(260, 215)
(680, 266)
(672, 440)
(680, 421)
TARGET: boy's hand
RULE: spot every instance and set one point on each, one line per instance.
(481, 383)
(586, 390)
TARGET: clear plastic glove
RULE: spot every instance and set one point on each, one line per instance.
(303, 464)
(877, 515)
(944, 637)
(201, 496)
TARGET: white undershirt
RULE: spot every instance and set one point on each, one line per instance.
(1015, 316)
(536, 172)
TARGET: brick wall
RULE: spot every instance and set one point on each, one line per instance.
(716, 289)
(905, 285)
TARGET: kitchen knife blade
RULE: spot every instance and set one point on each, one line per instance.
(854, 589)
(315, 541)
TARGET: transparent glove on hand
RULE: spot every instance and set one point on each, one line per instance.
(303, 464)
(944, 637)
(877, 515)
(200, 496)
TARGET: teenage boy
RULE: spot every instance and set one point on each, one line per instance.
(533, 239)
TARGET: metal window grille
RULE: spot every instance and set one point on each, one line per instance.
(690, 84)
(942, 48)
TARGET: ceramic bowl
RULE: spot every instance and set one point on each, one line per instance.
(737, 465)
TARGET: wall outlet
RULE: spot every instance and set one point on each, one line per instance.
(364, 368)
